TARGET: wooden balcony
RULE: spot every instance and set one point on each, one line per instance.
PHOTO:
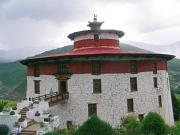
(52, 98)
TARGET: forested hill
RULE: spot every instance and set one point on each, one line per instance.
(13, 74)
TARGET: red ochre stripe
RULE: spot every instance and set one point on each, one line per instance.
(92, 43)
(106, 67)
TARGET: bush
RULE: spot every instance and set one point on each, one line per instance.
(2, 105)
(14, 108)
(21, 119)
(37, 114)
(4, 130)
(175, 130)
(59, 132)
(47, 119)
(131, 126)
(12, 113)
(95, 126)
(154, 124)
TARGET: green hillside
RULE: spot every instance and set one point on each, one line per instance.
(13, 74)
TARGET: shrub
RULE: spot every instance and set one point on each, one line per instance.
(12, 113)
(47, 119)
(14, 108)
(154, 124)
(131, 126)
(4, 129)
(37, 114)
(175, 130)
(59, 132)
(95, 126)
(21, 119)
(2, 105)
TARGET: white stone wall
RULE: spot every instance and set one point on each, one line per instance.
(101, 36)
(112, 102)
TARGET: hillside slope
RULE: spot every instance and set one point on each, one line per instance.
(13, 74)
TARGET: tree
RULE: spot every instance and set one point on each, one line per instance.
(154, 124)
(131, 126)
(95, 126)
(175, 105)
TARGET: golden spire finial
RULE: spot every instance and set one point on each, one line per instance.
(95, 18)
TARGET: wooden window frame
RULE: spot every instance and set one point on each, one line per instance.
(60, 88)
(96, 68)
(92, 109)
(133, 84)
(37, 86)
(36, 70)
(155, 81)
(134, 67)
(96, 37)
(160, 101)
(154, 68)
(97, 86)
(130, 105)
(64, 68)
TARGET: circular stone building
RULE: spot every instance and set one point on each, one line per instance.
(98, 77)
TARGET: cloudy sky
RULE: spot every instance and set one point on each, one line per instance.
(45, 24)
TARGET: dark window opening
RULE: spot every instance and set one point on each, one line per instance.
(141, 117)
(69, 124)
(37, 86)
(62, 86)
(96, 68)
(155, 82)
(92, 109)
(64, 68)
(36, 71)
(160, 101)
(133, 67)
(96, 37)
(154, 68)
(96, 85)
(133, 82)
(130, 105)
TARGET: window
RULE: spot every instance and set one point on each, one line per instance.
(154, 68)
(69, 124)
(133, 82)
(96, 85)
(96, 37)
(64, 68)
(130, 105)
(96, 68)
(134, 67)
(37, 86)
(92, 109)
(62, 86)
(160, 101)
(155, 82)
(36, 71)
(141, 117)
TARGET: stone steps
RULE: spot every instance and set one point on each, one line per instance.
(31, 130)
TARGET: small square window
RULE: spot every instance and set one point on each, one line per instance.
(154, 68)
(37, 86)
(63, 68)
(133, 67)
(133, 82)
(155, 82)
(96, 68)
(160, 101)
(96, 37)
(130, 105)
(96, 85)
(92, 109)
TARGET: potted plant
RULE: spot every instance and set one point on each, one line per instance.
(37, 113)
(14, 108)
(12, 113)
(22, 122)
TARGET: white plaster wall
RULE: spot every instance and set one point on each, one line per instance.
(101, 36)
(112, 102)
(47, 83)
